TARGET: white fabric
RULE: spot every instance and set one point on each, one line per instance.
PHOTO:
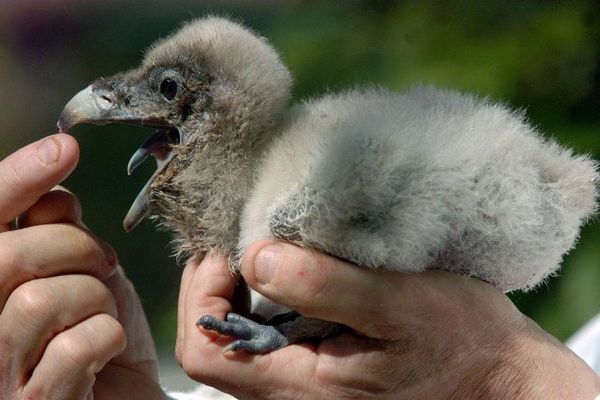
(586, 343)
(201, 393)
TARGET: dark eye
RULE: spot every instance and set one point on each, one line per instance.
(168, 88)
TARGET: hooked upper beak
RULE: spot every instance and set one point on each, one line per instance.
(86, 107)
(98, 106)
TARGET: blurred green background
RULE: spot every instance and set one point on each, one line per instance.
(543, 57)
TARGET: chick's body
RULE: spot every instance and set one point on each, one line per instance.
(427, 178)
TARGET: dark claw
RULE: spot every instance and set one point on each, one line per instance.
(255, 338)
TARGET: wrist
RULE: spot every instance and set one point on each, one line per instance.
(535, 365)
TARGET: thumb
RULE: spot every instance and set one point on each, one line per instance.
(375, 303)
(320, 286)
(32, 171)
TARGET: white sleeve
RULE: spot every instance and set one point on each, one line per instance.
(586, 343)
(201, 393)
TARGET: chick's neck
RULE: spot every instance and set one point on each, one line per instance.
(203, 202)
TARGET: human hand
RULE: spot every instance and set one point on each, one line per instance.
(432, 335)
(67, 309)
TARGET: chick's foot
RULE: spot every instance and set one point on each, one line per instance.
(280, 332)
(251, 336)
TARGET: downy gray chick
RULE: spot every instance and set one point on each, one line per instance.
(428, 178)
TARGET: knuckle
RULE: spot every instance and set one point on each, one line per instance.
(74, 349)
(87, 246)
(101, 294)
(116, 336)
(33, 301)
(104, 293)
(91, 345)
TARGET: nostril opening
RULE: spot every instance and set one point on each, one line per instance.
(104, 101)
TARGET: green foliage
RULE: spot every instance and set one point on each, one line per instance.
(540, 56)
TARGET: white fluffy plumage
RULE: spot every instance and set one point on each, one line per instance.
(428, 178)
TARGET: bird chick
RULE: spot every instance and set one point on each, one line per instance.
(428, 178)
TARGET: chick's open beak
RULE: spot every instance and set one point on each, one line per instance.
(98, 106)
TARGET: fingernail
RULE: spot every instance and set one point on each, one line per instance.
(49, 151)
(266, 262)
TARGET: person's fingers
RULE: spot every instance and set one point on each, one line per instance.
(39, 309)
(140, 354)
(186, 279)
(209, 288)
(208, 292)
(68, 367)
(314, 284)
(320, 286)
(48, 250)
(56, 206)
(32, 171)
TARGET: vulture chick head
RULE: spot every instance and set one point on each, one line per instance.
(214, 92)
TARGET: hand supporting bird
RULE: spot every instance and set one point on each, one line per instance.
(432, 335)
